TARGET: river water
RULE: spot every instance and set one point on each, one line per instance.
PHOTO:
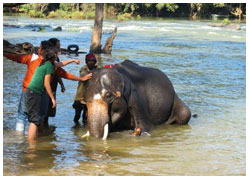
(207, 66)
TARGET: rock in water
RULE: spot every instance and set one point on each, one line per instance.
(58, 29)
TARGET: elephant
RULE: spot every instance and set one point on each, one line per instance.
(130, 96)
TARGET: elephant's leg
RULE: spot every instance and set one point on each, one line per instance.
(139, 115)
(181, 114)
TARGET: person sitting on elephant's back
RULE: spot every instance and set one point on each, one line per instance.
(79, 103)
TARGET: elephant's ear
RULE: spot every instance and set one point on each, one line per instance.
(126, 89)
(105, 81)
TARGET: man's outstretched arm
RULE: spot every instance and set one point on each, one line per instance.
(19, 58)
(66, 75)
(66, 62)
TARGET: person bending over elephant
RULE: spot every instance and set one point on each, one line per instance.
(79, 104)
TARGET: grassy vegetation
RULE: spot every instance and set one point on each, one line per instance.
(71, 15)
(36, 14)
(65, 11)
(59, 14)
(226, 21)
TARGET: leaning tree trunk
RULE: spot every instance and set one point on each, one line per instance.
(109, 43)
(97, 32)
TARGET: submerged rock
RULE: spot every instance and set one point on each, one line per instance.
(10, 26)
(40, 29)
(58, 29)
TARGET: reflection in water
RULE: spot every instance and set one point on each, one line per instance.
(33, 158)
(96, 150)
(93, 149)
(207, 69)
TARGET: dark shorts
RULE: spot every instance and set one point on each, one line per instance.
(51, 111)
(44, 106)
(33, 105)
(78, 105)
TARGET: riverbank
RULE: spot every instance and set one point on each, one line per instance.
(225, 21)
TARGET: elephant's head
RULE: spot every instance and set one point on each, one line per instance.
(105, 102)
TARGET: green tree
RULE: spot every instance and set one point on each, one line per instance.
(169, 7)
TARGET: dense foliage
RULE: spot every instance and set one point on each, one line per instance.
(132, 10)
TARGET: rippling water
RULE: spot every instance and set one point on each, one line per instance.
(207, 67)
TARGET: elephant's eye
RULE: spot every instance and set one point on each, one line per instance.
(108, 95)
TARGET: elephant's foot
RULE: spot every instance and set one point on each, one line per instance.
(137, 132)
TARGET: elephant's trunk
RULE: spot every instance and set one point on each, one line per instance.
(98, 118)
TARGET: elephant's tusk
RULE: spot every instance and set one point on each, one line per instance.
(106, 132)
(86, 135)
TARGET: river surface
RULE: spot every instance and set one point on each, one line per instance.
(207, 66)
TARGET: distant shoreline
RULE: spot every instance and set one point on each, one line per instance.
(233, 21)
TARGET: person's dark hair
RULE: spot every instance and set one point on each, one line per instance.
(46, 45)
(54, 41)
(49, 55)
(90, 56)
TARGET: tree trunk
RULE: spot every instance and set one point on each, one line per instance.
(192, 11)
(240, 12)
(109, 43)
(97, 31)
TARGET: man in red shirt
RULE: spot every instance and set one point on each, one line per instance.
(33, 61)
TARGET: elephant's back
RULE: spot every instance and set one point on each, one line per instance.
(154, 87)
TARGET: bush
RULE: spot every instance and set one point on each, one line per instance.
(90, 14)
(65, 7)
(125, 16)
(26, 8)
(121, 17)
(59, 14)
(226, 21)
(63, 14)
(77, 15)
(53, 14)
(36, 14)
